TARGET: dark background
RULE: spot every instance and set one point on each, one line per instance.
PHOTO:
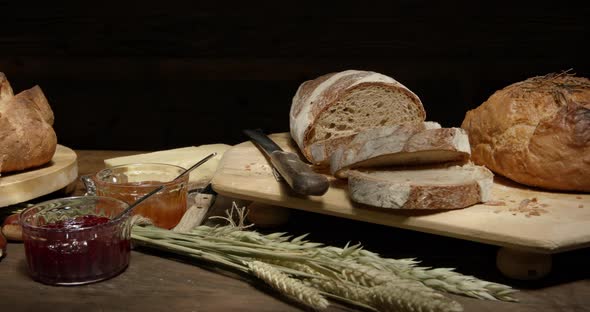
(157, 75)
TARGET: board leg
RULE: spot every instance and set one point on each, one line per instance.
(523, 265)
(267, 216)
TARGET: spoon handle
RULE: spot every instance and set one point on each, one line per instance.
(146, 196)
(202, 161)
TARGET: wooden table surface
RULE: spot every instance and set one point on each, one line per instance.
(159, 282)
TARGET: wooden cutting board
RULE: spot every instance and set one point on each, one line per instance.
(518, 218)
(26, 185)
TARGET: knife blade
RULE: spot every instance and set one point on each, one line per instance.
(297, 174)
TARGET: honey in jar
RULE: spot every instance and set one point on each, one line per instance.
(130, 182)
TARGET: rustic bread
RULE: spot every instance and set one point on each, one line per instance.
(322, 151)
(27, 138)
(439, 187)
(406, 144)
(341, 104)
(5, 88)
(536, 132)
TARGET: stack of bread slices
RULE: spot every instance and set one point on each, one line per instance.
(370, 129)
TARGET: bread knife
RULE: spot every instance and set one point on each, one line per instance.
(296, 173)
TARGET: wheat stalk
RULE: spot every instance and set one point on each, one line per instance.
(288, 286)
(344, 290)
(442, 279)
(410, 296)
(351, 274)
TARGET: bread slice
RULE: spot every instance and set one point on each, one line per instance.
(322, 151)
(27, 138)
(400, 146)
(439, 187)
(341, 104)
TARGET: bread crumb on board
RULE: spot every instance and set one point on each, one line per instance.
(580, 206)
(527, 207)
(258, 169)
(495, 203)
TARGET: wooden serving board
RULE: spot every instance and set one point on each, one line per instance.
(518, 217)
(26, 185)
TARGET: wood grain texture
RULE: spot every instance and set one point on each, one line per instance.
(520, 218)
(33, 183)
(160, 282)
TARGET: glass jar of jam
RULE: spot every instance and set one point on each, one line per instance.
(76, 240)
(132, 181)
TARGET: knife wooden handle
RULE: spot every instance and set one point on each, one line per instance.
(298, 174)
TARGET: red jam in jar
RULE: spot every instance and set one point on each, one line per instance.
(73, 241)
(77, 222)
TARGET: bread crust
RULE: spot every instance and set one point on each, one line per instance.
(406, 144)
(415, 193)
(27, 138)
(536, 132)
(2, 157)
(321, 151)
(315, 97)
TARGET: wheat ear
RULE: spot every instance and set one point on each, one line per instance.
(288, 286)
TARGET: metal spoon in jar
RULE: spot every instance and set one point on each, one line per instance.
(159, 188)
(202, 161)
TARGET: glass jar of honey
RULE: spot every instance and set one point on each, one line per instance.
(132, 181)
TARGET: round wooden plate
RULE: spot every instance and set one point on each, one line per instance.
(26, 185)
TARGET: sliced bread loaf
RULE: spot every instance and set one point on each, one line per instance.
(440, 187)
(399, 146)
(342, 104)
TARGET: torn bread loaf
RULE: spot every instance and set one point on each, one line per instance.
(439, 187)
(341, 104)
(27, 138)
(401, 145)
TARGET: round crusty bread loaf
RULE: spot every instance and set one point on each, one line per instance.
(433, 187)
(27, 138)
(536, 132)
(341, 104)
